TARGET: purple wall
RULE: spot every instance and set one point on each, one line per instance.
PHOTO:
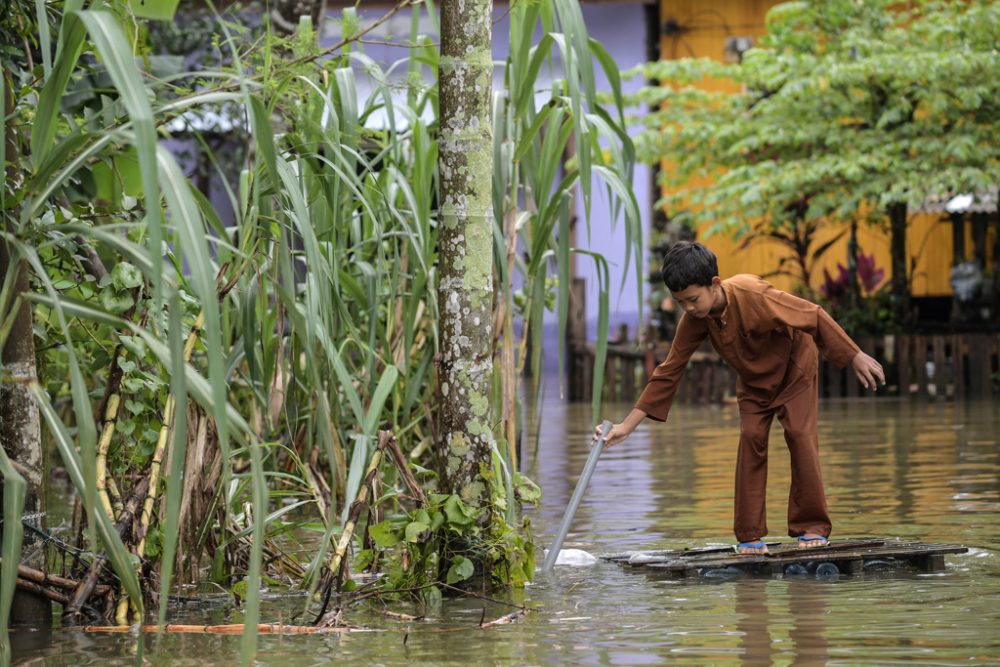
(621, 28)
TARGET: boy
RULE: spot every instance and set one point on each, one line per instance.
(770, 339)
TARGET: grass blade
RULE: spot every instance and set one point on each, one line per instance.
(14, 490)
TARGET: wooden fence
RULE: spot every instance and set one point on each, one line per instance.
(958, 366)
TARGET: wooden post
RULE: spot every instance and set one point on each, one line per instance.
(851, 383)
(958, 365)
(980, 366)
(628, 380)
(576, 339)
(903, 363)
(932, 563)
(610, 390)
(835, 381)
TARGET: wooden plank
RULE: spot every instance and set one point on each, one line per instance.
(932, 563)
(849, 557)
(979, 367)
(728, 551)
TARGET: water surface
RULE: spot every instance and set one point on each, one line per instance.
(915, 470)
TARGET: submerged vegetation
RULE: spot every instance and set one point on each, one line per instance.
(214, 384)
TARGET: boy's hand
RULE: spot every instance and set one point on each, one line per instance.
(867, 369)
(617, 434)
(621, 431)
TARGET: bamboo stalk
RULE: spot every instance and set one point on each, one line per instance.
(86, 587)
(107, 431)
(409, 480)
(352, 520)
(154, 474)
(234, 629)
(116, 496)
(355, 512)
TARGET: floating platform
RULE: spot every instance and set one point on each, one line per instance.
(840, 557)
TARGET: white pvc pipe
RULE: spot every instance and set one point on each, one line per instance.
(574, 502)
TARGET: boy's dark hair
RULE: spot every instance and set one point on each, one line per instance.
(688, 263)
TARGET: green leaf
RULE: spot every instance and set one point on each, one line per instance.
(384, 534)
(43, 130)
(432, 596)
(15, 488)
(385, 385)
(115, 301)
(458, 513)
(159, 10)
(414, 529)
(527, 490)
(126, 276)
(365, 558)
(460, 570)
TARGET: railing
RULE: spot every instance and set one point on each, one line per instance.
(959, 366)
(956, 366)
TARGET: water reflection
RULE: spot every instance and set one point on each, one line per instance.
(782, 622)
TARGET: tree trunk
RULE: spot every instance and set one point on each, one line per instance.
(853, 284)
(20, 433)
(900, 288)
(465, 246)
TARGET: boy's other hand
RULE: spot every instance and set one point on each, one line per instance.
(617, 434)
(867, 369)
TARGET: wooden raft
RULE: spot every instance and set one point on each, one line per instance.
(840, 557)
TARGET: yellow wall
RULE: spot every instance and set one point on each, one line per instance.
(928, 237)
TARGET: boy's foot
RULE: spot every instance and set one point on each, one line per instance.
(812, 540)
(757, 548)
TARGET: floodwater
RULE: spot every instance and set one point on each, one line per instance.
(915, 470)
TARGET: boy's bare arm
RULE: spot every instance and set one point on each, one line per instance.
(867, 369)
(619, 432)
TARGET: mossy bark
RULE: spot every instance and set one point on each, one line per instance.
(20, 433)
(465, 272)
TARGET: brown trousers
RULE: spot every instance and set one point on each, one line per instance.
(806, 500)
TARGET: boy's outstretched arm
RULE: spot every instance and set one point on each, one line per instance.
(619, 432)
(867, 369)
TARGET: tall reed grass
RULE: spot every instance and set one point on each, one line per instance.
(255, 361)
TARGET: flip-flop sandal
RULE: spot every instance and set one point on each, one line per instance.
(759, 544)
(823, 541)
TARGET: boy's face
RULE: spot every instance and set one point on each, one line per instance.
(700, 300)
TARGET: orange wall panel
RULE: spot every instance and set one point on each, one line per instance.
(704, 28)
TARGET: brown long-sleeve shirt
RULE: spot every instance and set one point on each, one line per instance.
(764, 334)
